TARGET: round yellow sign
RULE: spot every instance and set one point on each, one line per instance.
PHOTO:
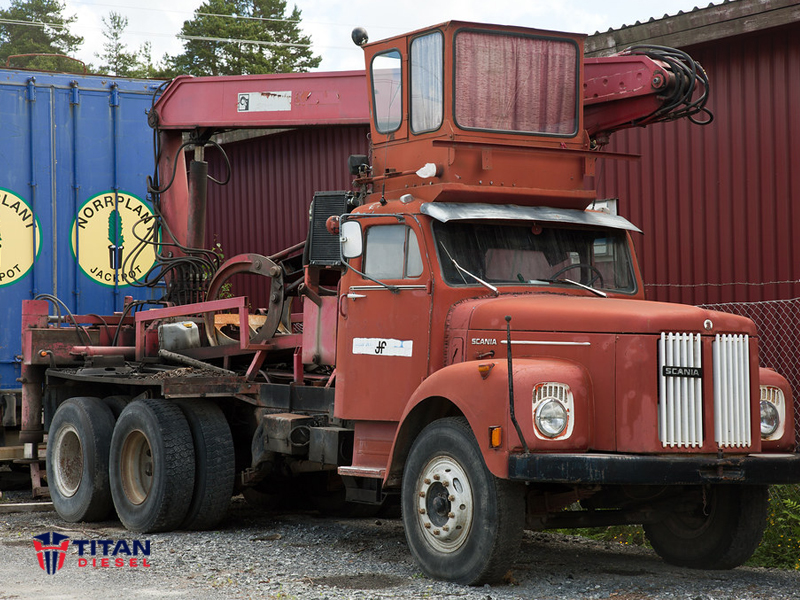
(106, 238)
(17, 227)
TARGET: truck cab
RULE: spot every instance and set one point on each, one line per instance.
(489, 313)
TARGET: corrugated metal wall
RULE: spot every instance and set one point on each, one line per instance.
(716, 203)
(264, 208)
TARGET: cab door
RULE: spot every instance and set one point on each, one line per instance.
(384, 322)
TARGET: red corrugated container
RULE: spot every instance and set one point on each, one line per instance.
(265, 206)
(716, 203)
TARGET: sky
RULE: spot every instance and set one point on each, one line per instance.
(329, 22)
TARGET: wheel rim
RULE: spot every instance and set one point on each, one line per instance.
(136, 467)
(68, 461)
(691, 525)
(444, 504)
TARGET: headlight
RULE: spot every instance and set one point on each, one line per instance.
(551, 418)
(769, 419)
(553, 410)
(773, 411)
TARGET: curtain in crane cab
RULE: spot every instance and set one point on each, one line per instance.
(516, 83)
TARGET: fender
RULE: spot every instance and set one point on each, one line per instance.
(462, 389)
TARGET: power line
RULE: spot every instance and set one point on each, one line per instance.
(235, 41)
(162, 10)
(245, 17)
(179, 36)
(185, 37)
(33, 23)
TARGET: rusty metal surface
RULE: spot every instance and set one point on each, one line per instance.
(285, 99)
(717, 203)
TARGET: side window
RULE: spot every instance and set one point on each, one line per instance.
(427, 83)
(387, 91)
(392, 252)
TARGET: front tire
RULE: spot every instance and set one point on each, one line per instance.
(718, 527)
(152, 466)
(462, 523)
(77, 459)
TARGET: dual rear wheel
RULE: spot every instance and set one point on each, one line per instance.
(160, 465)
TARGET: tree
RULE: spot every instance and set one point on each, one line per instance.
(118, 61)
(145, 67)
(257, 37)
(37, 26)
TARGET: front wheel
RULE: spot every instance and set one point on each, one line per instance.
(714, 527)
(462, 524)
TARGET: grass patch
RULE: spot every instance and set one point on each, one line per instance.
(625, 535)
(779, 548)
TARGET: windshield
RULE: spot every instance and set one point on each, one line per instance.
(533, 254)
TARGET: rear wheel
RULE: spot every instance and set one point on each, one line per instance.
(152, 466)
(462, 524)
(117, 404)
(214, 464)
(716, 527)
(77, 459)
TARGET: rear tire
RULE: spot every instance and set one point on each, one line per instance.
(117, 404)
(719, 528)
(77, 459)
(214, 464)
(152, 466)
(462, 523)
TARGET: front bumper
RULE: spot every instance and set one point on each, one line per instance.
(755, 469)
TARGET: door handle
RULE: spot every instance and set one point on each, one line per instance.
(353, 296)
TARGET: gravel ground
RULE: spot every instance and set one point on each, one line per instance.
(301, 555)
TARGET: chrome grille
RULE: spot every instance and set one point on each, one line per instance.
(680, 421)
(680, 372)
(732, 390)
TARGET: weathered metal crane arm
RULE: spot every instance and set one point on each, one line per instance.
(262, 101)
(641, 86)
(202, 106)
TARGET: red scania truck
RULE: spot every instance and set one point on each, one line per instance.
(462, 328)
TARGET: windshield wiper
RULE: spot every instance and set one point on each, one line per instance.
(485, 284)
(580, 285)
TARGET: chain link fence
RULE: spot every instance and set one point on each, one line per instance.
(778, 325)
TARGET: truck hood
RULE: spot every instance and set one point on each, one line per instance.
(581, 314)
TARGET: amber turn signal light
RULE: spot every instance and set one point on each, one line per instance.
(485, 369)
(495, 437)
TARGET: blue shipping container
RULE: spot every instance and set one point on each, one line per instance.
(75, 154)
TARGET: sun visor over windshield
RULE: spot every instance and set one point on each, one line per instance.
(451, 211)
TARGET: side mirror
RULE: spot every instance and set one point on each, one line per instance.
(350, 239)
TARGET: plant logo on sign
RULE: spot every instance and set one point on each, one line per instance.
(17, 227)
(105, 238)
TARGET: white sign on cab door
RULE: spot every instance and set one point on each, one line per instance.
(383, 347)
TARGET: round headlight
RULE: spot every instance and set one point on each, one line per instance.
(551, 418)
(770, 419)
